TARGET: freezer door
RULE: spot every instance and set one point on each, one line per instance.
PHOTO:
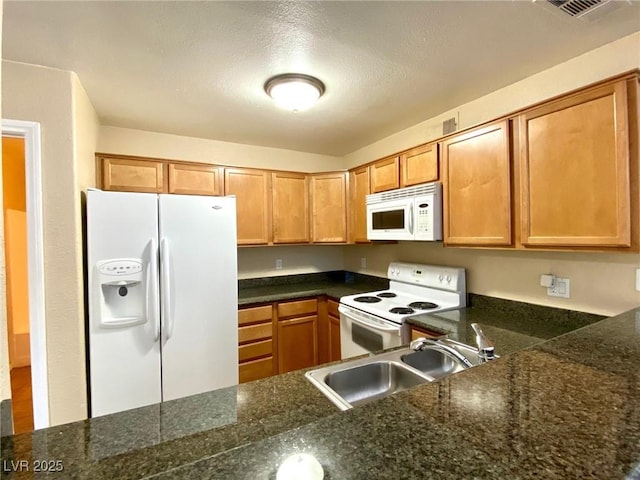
(123, 326)
(199, 294)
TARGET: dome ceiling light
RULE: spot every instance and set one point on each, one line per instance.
(294, 91)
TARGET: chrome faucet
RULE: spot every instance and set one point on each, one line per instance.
(421, 343)
(485, 346)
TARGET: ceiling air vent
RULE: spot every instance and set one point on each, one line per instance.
(587, 10)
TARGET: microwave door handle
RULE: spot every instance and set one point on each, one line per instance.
(411, 218)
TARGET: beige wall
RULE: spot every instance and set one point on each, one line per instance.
(600, 283)
(256, 262)
(161, 145)
(54, 99)
(609, 60)
(5, 385)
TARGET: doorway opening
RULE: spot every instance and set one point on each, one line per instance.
(24, 265)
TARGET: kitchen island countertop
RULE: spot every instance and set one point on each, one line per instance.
(568, 407)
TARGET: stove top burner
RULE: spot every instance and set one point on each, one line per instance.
(386, 295)
(367, 299)
(423, 305)
(402, 310)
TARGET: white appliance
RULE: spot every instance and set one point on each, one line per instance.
(374, 321)
(412, 213)
(162, 285)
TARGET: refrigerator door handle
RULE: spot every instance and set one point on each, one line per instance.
(165, 286)
(152, 289)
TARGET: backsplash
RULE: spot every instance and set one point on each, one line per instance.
(338, 276)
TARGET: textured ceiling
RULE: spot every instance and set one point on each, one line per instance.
(198, 68)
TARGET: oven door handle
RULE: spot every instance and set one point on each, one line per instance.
(364, 323)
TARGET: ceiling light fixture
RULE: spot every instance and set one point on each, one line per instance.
(294, 91)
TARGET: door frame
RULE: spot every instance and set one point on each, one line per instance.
(30, 131)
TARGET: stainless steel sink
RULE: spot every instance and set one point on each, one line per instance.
(364, 383)
(434, 362)
(366, 379)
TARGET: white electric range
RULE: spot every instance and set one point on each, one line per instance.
(374, 321)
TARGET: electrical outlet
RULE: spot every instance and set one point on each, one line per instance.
(363, 262)
(560, 289)
(278, 264)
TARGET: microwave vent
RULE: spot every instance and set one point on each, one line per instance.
(409, 192)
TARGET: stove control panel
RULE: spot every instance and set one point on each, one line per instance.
(444, 278)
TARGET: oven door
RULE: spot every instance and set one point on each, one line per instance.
(390, 220)
(361, 333)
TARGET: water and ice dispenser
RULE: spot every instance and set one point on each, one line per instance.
(122, 292)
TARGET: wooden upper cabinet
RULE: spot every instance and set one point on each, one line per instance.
(359, 189)
(574, 170)
(385, 174)
(290, 207)
(195, 179)
(329, 207)
(129, 175)
(251, 188)
(419, 165)
(476, 177)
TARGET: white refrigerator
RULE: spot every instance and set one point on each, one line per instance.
(163, 297)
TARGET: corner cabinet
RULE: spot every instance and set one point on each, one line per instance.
(290, 218)
(574, 170)
(358, 189)
(476, 177)
(329, 208)
(251, 188)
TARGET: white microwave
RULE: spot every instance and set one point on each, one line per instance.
(412, 213)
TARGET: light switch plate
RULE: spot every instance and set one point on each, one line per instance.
(561, 288)
(638, 279)
(363, 262)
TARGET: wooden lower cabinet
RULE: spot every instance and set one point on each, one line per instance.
(418, 332)
(297, 343)
(255, 343)
(328, 331)
(297, 335)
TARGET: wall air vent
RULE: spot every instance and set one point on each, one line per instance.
(587, 10)
(449, 126)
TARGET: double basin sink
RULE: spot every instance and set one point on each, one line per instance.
(363, 380)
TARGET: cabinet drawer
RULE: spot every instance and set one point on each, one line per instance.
(332, 308)
(254, 315)
(255, 369)
(298, 308)
(255, 332)
(417, 333)
(255, 350)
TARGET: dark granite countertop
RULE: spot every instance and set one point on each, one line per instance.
(332, 284)
(568, 407)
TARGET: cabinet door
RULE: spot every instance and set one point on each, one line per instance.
(574, 180)
(385, 175)
(251, 188)
(359, 189)
(195, 179)
(297, 343)
(290, 207)
(477, 187)
(419, 165)
(329, 208)
(128, 175)
(334, 338)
